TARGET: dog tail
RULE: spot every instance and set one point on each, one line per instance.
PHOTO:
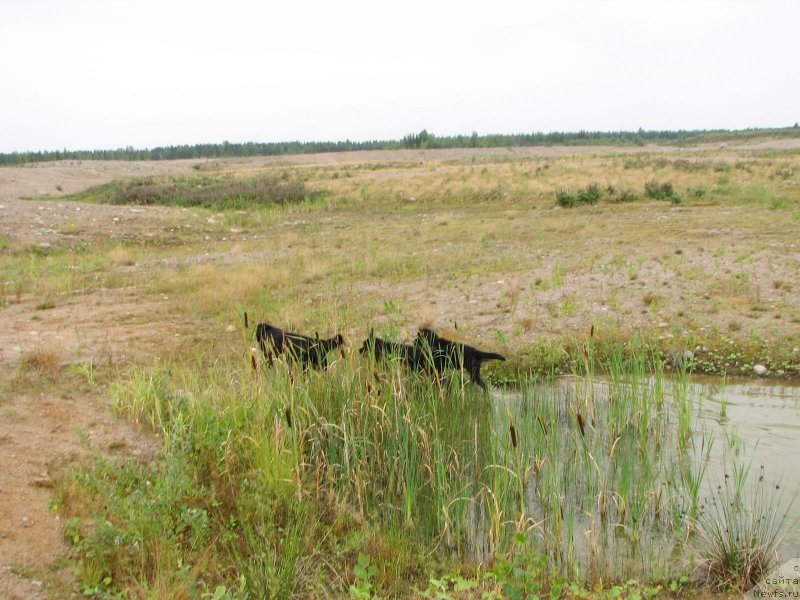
(491, 356)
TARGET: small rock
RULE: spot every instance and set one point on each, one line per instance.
(780, 372)
(43, 482)
(688, 355)
(230, 328)
(44, 245)
(759, 369)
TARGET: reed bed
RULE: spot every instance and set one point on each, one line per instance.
(600, 479)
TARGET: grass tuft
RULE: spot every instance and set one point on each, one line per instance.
(739, 534)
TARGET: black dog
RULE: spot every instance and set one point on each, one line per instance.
(412, 356)
(302, 348)
(444, 354)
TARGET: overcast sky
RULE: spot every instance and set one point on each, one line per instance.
(85, 74)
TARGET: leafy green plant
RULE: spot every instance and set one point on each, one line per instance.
(364, 572)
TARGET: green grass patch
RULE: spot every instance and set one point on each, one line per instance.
(366, 478)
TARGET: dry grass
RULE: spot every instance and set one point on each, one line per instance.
(42, 362)
(121, 256)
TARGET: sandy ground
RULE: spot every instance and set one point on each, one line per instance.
(38, 435)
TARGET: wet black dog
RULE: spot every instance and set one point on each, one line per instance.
(410, 355)
(444, 354)
(305, 350)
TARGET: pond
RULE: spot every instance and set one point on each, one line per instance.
(625, 472)
(766, 419)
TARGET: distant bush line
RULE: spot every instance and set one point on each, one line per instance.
(219, 193)
(421, 140)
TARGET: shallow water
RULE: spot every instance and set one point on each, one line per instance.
(766, 418)
(751, 424)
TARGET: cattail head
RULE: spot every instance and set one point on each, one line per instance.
(513, 431)
(580, 422)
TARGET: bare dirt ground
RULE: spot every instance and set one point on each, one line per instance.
(40, 433)
(48, 425)
(102, 327)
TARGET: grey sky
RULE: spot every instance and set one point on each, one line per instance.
(105, 73)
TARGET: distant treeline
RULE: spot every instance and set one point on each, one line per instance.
(421, 140)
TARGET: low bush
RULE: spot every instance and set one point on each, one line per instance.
(661, 191)
(219, 193)
(590, 194)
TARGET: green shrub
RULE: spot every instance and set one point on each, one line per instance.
(658, 191)
(590, 194)
(566, 199)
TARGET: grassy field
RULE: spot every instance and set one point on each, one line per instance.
(362, 480)
(476, 243)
